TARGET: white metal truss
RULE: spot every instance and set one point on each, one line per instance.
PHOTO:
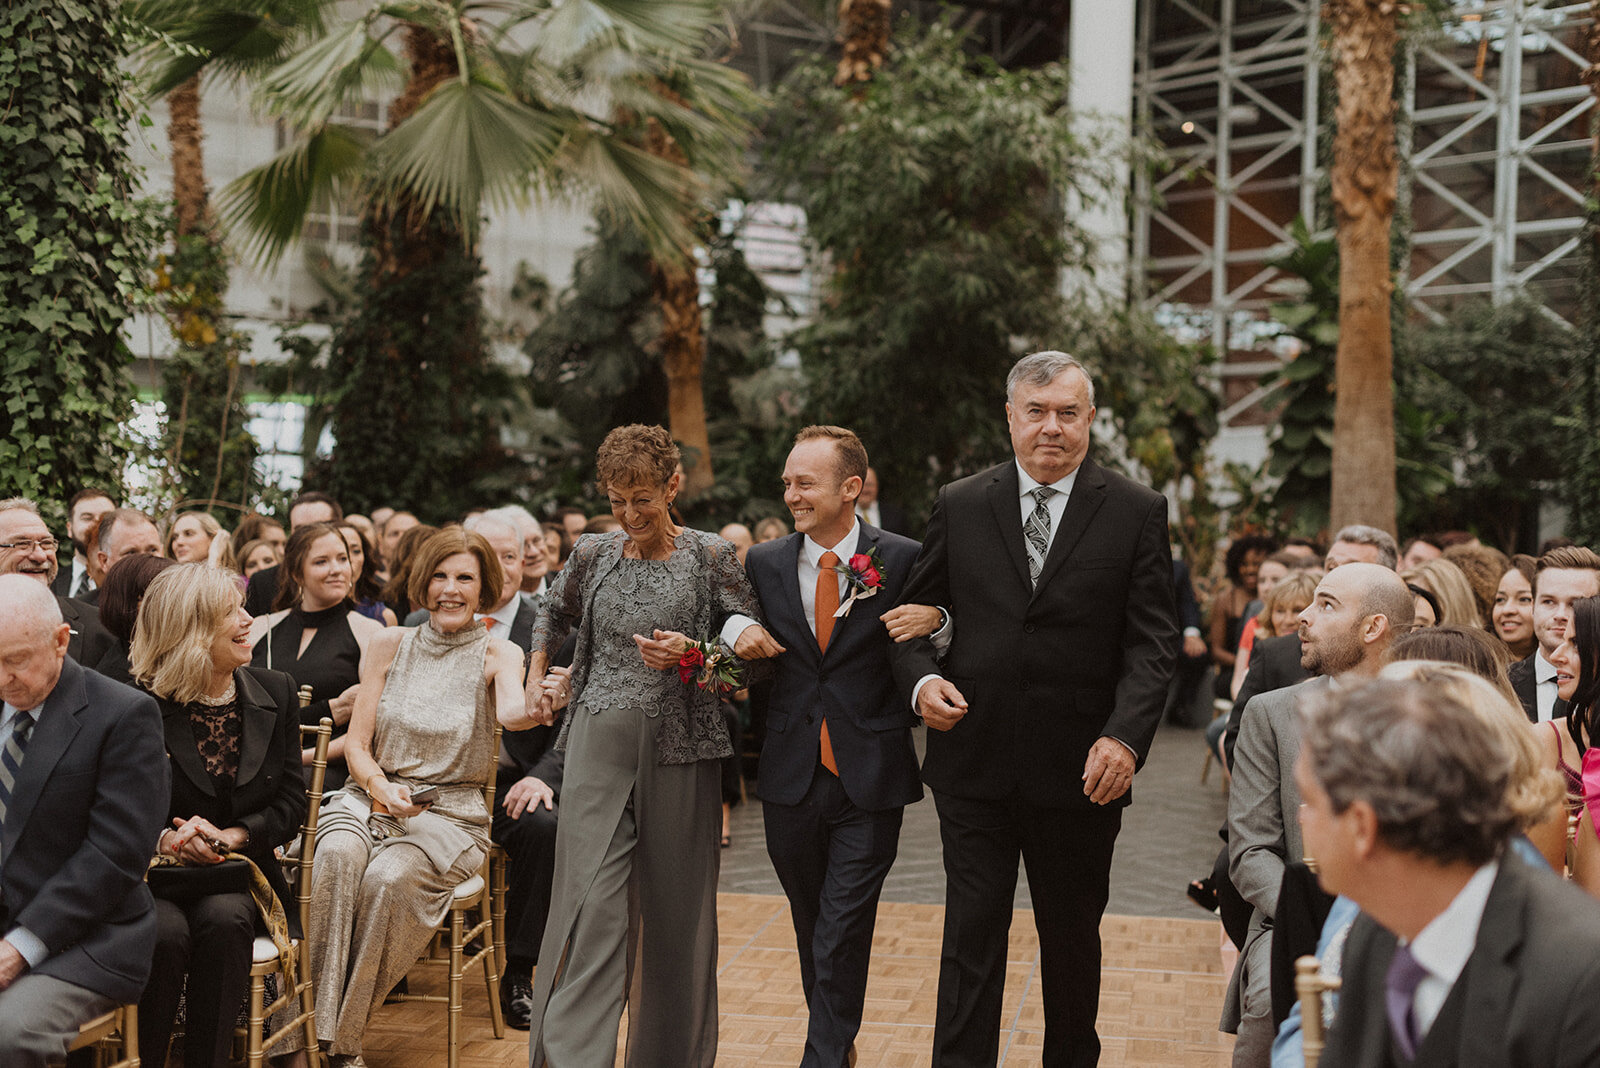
(1494, 127)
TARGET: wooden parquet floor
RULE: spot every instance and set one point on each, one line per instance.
(1160, 997)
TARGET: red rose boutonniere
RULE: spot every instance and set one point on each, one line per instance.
(706, 666)
(863, 574)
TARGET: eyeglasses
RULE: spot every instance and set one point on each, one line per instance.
(27, 545)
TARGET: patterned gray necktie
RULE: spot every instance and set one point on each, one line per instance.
(1036, 532)
(11, 758)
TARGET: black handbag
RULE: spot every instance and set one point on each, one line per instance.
(184, 885)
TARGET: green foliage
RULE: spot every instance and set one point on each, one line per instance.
(414, 401)
(75, 249)
(1581, 452)
(594, 366)
(1498, 382)
(934, 194)
(209, 450)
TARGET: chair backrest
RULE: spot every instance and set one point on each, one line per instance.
(1310, 985)
(489, 783)
(323, 734)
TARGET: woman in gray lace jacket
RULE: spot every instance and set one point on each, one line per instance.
(633, 912)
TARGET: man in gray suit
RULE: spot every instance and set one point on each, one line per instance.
(1358, 609)
(1463, 954)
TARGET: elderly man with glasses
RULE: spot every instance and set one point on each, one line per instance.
(28, 548)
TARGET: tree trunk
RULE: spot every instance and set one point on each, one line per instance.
(188, 158)
(683, 343)
(1364, 176)
(863, 38)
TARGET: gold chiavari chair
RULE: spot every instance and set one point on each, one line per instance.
(112, 1035)
(1310, 985)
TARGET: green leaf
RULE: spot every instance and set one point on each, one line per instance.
(348, 64)
(270, 202)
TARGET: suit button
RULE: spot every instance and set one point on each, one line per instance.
(810, 718)
(822, 679)
(1029, 628)
(1026, 685)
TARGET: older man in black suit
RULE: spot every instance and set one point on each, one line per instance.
(837, 765)
(28, 548)
(1464, 954)
(83, 792)
(1058, 574)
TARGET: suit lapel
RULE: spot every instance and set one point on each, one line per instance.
(842, 627)
(52, 734)
(182, 748)
(258, 723)
(790, 604)
(1088, 494)
(1005, 498)
(1490, 975)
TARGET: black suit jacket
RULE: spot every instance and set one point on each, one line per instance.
(1274, 664)
(261, 591)
(90, 644)
(1527, 995)
(61, 585)
(87, 806)
(268, 797)
(852, 684)
(533, 751)
(1046, 671)
(1525, 681)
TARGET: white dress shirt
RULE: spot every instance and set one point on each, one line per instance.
(503, 617)
(1545, 694)
(80, 570)
(1444, 946)
(22, 940)
(1057, 502)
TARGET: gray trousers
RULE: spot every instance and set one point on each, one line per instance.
(40, 1016)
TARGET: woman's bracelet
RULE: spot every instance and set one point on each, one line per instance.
(375, 775)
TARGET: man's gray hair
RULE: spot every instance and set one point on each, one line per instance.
(28, 600)
(1361, 534)
(521, 518)
(1041, 368)
(498, 520)
(18, 504)
(1438, 774)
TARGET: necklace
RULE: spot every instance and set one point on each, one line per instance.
(226, 698)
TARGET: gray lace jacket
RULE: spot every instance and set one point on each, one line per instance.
(692, 727)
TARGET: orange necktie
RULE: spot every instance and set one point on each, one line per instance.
(826, 605)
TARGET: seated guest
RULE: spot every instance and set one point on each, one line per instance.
(1483, 566)
(573, 520)
(1512, 615)
(232, 734)
(123, 532)
(1280, 610)
(1451, 591)
(1568, 738)
(257, 556)
(535, 563)
(602, 524)
(1561, 577)
(1419, 550)
(366, 593)
(82, 798)
(124, 588)
(257, 527)
(557, 547)
(429, 699)
(1464, 953)
(770, 529)
(315, 635)
(1228, 610)
(28, 548)
(262, 594)
(197, 538)
(396, 591)
(83, 517)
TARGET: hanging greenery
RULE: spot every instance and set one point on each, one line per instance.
(75, 249)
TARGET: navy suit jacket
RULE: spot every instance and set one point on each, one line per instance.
(852, 684)
(89, 801)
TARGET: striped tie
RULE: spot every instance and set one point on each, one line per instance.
(1036, 532)
(11, 758)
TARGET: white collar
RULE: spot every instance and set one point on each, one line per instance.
(1444, 945)
(1063, 486)
(1543, 670)
(505, 614)
(845, 548)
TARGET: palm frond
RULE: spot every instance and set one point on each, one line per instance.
(655, 196)
(349, 63)
(269, 204)
(467, 145)
(568, 27)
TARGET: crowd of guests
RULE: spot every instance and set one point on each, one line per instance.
(1407, 734)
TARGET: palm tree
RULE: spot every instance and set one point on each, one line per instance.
(1364, 176)
(863, 40)
(483, 118)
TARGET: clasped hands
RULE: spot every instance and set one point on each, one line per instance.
(196, 841)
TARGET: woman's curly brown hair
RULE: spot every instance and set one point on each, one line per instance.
(636, 455)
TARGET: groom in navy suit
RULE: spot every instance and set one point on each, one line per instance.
(838, 767)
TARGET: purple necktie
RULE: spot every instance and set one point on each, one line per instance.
(1400, 989)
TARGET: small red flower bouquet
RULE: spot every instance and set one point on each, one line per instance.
(863, 574)
(708, 667)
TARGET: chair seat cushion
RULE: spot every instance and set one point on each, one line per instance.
(263, 951)
(468, 890)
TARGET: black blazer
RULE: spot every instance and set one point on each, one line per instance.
(88, 804)
(852, 684)
(1046, 671)
(1525, 681)
(269, 794)
(261, 591)
(1530, 986)
(90, 644)
(1274, 665)
(533, 751)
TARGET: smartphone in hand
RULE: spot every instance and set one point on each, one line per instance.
(425, 795)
